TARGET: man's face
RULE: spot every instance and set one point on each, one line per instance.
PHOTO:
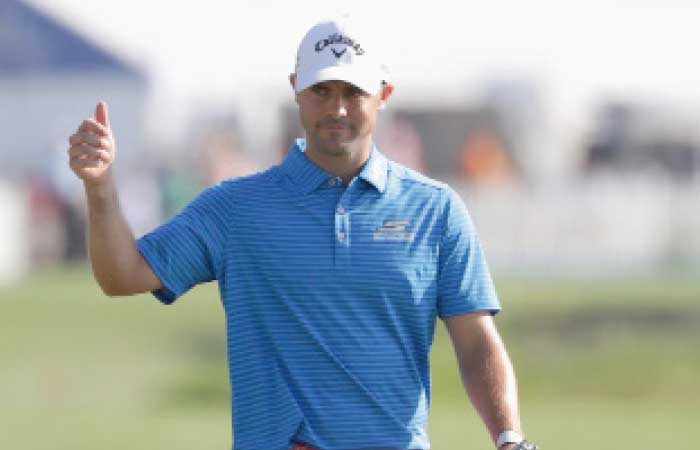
(339, 117)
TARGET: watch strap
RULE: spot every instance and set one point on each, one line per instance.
(508, 437)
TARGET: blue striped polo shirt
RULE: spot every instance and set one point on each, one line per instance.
(331, 295)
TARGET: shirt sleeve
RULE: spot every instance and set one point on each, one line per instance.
(464, 281)
(187, 249)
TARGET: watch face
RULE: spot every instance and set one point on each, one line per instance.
(527, 445)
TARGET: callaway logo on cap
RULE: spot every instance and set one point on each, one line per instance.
(334, 50)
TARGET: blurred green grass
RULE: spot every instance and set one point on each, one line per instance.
(601, 364)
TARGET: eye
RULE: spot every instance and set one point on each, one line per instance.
(355, 92)
(319, 89)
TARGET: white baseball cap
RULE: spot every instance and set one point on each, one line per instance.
(335, 50)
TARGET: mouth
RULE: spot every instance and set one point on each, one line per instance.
(334, 126)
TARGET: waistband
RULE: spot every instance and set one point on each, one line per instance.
(303, 446)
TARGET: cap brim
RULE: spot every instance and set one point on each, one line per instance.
(368, 80)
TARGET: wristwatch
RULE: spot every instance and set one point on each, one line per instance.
(525, 445)
(513, 437)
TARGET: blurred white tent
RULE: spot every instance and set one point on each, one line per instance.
(50, 79)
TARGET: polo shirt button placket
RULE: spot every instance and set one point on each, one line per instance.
(342, 237)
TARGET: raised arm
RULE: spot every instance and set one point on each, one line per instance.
(116, 262)
(486, 370)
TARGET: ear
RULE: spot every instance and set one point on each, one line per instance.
(384, 94)
(293, 83)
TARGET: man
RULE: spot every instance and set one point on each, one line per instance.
(332, 268)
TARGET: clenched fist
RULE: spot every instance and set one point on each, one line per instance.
(92, 147)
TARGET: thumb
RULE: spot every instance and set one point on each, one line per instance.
(102, 114)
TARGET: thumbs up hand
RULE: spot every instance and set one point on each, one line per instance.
(92, 148)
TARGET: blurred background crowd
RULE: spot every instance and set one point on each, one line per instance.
(572, 131)
(576, 179)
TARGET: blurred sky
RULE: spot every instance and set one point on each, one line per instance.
(577, 51)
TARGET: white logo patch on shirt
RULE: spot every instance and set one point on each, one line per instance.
(394, 230)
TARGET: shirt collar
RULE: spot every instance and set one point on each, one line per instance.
(375, 170)
(307, 176)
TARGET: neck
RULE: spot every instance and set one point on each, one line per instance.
(346, 165)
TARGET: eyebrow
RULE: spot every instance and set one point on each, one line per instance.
(346, 87)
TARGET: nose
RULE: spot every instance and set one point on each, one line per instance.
(339, 107)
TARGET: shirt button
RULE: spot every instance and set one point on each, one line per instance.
(332, 182)
(341, 235)
(340, 210)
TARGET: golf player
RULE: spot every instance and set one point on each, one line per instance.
(332, 268)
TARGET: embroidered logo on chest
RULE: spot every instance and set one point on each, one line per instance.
(394, 230)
